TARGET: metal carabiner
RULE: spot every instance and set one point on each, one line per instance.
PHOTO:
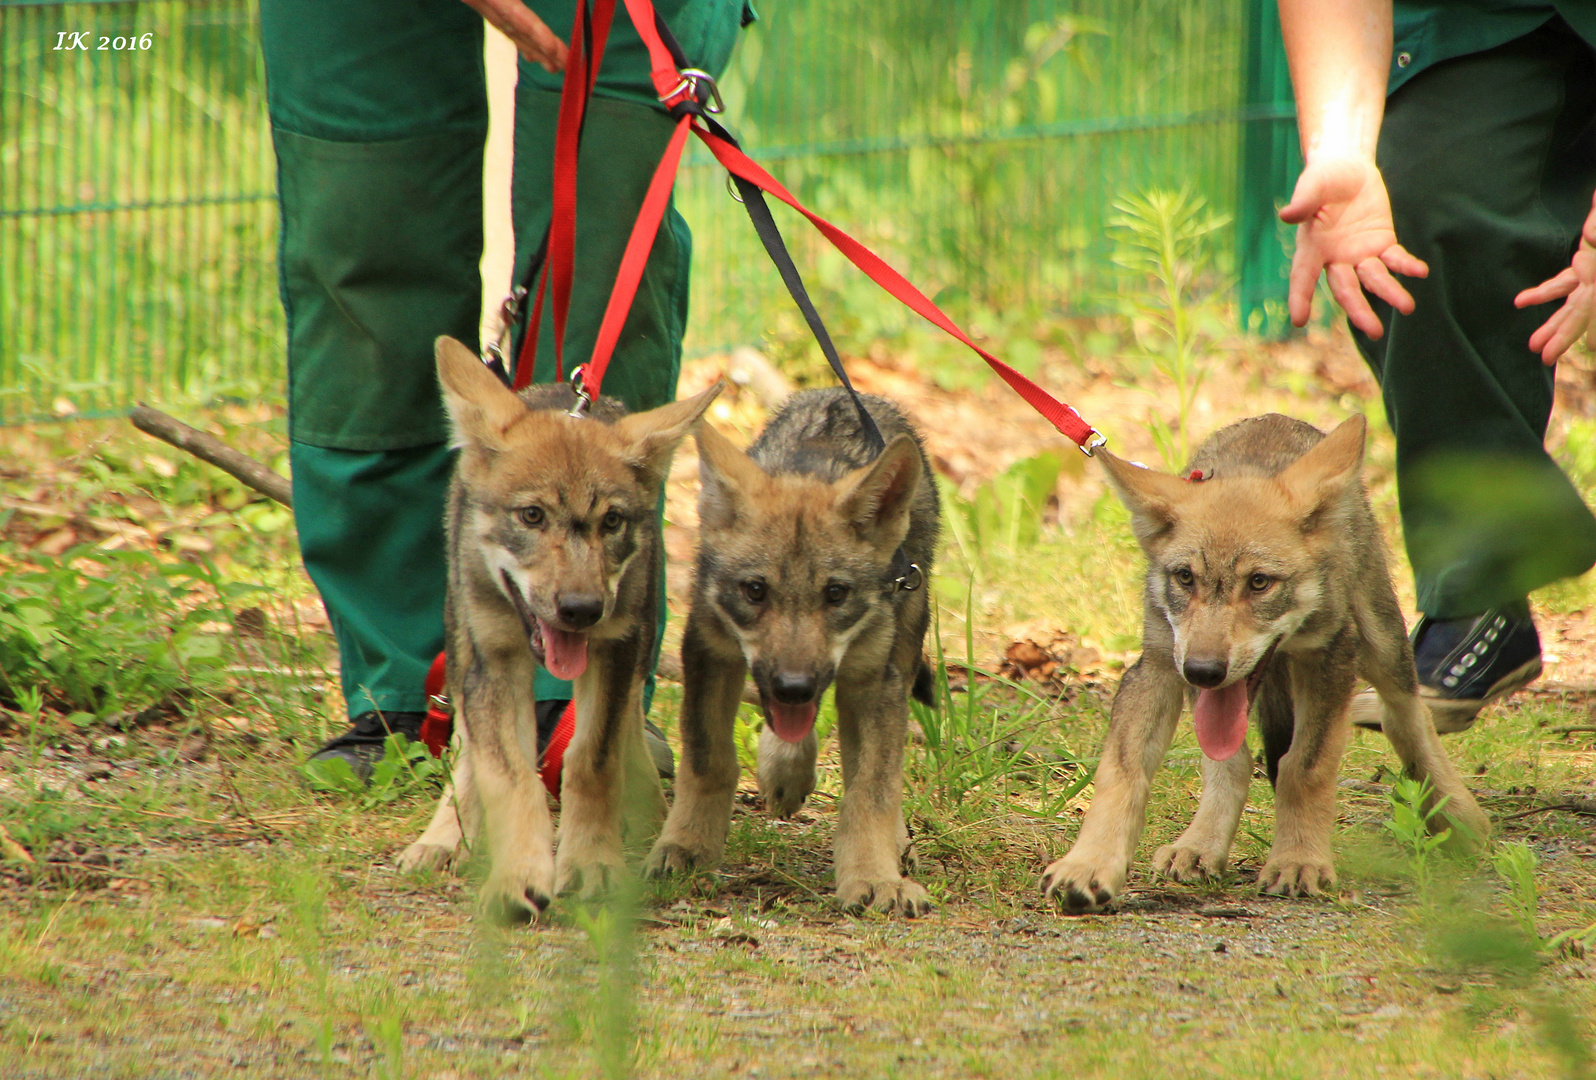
(583, 399)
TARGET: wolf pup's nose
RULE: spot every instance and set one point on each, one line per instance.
(579, 611)
(1205, 673)
(792, 687)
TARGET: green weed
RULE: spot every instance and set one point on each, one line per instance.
(1411, 810)
(406, 768)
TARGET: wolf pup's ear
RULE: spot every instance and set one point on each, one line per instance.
(1151, 497)
(877, 499)
(1318, 479)
(728, 479)
(650, 438)
(481, 409)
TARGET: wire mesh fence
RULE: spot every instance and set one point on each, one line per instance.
(979, 146)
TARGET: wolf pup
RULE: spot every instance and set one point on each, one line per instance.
(1266, 586)
(554, 555)
(813, 556)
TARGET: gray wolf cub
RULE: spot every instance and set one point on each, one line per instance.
(1267, 591)
(802, 542)
(554, 554)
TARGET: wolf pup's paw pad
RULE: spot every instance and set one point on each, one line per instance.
(667, 860)
(418, 857)
(507, 903)
(1179, 863)
(898, 897)
(1296, 876)
(1079, 887)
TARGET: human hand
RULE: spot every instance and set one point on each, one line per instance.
(532, 36)
(1577, 317)
(1343, 219)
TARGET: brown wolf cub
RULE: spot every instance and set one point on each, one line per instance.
(1267, 587)
(554, 554)
(804, 579)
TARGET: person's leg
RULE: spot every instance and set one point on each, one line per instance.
(624, 134)
(1490, 160)
(378, 118)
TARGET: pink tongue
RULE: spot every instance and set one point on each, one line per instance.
(1221, 717)
(791, 722)
(564, 653)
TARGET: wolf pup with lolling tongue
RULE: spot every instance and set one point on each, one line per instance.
(814, 556)
(554, 556)
(1267, 593)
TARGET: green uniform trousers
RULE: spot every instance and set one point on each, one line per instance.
(379, 115)
(1490, 160)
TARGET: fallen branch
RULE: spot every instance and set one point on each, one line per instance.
(208, 448)
(1575, 806)
(1572, 730)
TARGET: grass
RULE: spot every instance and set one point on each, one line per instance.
(193, 907)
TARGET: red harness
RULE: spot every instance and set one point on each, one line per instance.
(678, 92)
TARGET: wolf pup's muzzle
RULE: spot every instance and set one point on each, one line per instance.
(562, 653)
(1220, 713)
(791, 699)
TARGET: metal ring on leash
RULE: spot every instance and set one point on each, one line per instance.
(1090, 446)
(911, 580)
(579, 388)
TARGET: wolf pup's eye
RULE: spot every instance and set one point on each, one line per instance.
(1259, 582)
(612, 521)
(755, 590)
(530, 516)
(1185, 577)
(836, 592)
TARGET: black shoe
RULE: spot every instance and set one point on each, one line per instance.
(362, 745)
(1465, 664)
(658, 749)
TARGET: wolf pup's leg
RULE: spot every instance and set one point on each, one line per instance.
(1204, 848)
(1146, 708)
(1387, 662)
(455, 819)
(713, 673)
(589, 859)
(786, 771)
(1300, 862)
(872, 724)
(501, 751)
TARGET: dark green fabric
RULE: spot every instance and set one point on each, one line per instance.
(1490, 161)
(371, 530)
(379, 255)
(1427, 32)
(705, 29)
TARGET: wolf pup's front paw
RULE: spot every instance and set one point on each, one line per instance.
(786, 772)
(1082, 885)
(900, 896)
(1180, 862)
(667, 859)
(1293, 874)
(590, 877)
(514, 897)
(419, 856)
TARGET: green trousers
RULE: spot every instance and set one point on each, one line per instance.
(1490, 160)
(379, 115)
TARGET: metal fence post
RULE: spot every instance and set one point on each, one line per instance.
(1270, 162)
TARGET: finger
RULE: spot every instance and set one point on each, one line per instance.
(1551, 289)
(1377, 279)
(1345, 288)
(1306, 199)
(1401, 261)
(1304, 277)
(1545, 339)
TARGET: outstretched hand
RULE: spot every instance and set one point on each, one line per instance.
(1343, 219)
(1577, 317)
(532, 36)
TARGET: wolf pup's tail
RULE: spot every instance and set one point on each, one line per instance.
(924, 690)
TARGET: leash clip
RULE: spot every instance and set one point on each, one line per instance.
(579, 388)
(911, 580)
(1090, 446)
(692, 80)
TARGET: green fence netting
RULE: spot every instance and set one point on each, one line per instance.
(979, 146)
